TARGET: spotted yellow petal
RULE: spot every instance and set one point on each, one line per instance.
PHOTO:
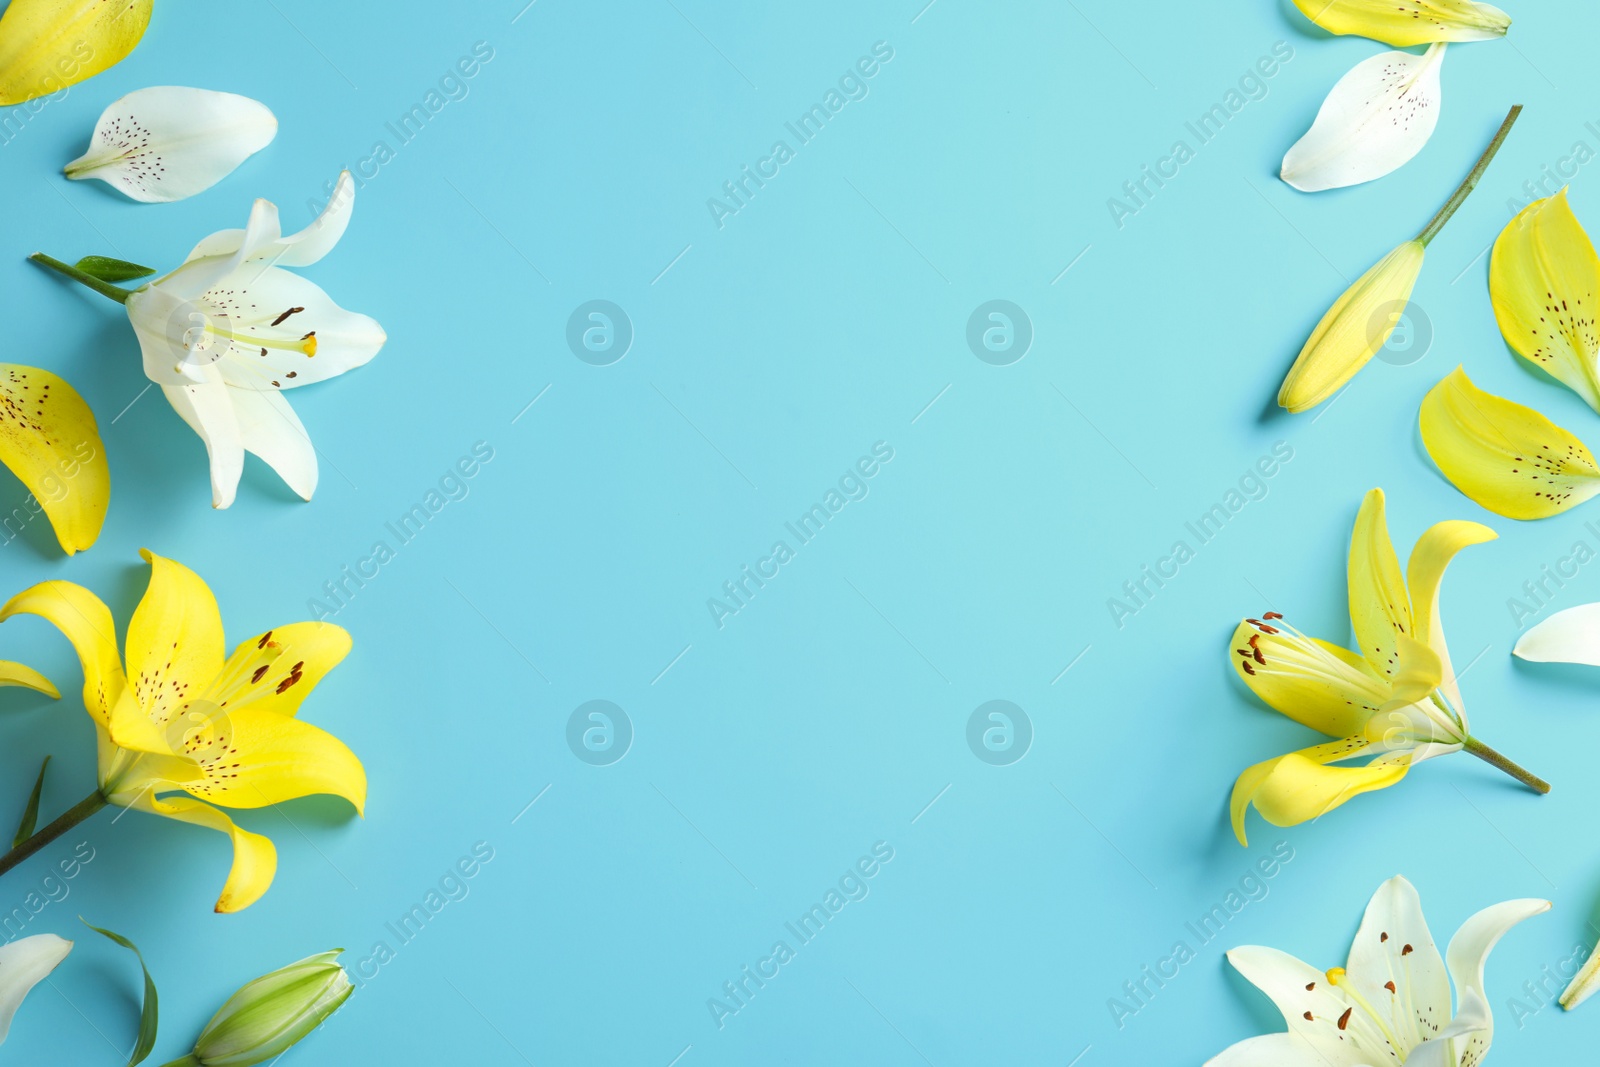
(174, 645)
(1506, 457)
(277, 670)
(47, 45)
(1353, 330)
(255, 758)
(1380, 609)
(25, 677)
(1403, 23)
(1301, 786)
(85, 621)
(1544, 282)
(49, 440)
(1317, 684)
(255, 859)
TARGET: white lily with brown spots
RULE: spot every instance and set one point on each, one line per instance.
(225, 333)
(1390, 1003)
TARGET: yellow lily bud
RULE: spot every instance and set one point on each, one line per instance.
(1353, 330)
(1403, 23)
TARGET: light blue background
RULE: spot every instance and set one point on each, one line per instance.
(829, 713)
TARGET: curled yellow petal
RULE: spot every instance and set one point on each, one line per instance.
(255, 858)
(1506, 457)
(1544, 282)
(1433, 552)
(47, 45)
(25, 677)
(49, 440)
(1300, 786)
(83, 619)
(277, 670)
(1353, 330)
(1403, 23)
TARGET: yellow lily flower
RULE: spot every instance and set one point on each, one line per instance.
(47, 45)
(1359, 324)
(1403, 23)
(185, 727)
(49, 440)
(1396, 702)
(1543, 269)
(1506, 457)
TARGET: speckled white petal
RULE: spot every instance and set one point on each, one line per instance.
(269, 428)
(24, 964)
(1376, 119)
(167, 143)
(1570, 636)
(288, 331)
(208, 409)
(1394, 945)
(1300, 990)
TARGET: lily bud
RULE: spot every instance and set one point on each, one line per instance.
(272, 1013)
(1403, 25)
(1353, 330)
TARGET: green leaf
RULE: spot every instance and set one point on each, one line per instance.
(112, 270)
(30, 814)
(148, 1016)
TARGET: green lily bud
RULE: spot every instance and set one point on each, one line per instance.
(272, 1013)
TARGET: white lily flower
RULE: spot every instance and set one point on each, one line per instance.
(1376, 119)
(1391, 1003)
(166, 143)
(229, 330)
(24, 964)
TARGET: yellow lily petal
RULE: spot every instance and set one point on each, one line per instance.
(1505, 457)
(255, 758)
(1299, 787)
(1353, 330)
(50, 441)
(47, 45)
(1424, 572)
(85, 621)
(277, 670)
(25, 677)
(1379, 606)
(1317, 684)
(174, 648)
(255, 858)
(1403, 23)
(1544, 282)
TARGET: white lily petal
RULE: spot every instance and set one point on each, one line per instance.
(1298, 989)
(24, 964)
(1394, 945)
(269, 428)
(290, 333)
(1469, 952)
(168, 142)
(1287, 1050)
(297, 250)
(1473, 1020)
(1374, 121)
(1570, 636)
(208, 409)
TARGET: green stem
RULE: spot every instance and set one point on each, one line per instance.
(1494, 759)
(75, 815)
(105, 289)
(1431, 230)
